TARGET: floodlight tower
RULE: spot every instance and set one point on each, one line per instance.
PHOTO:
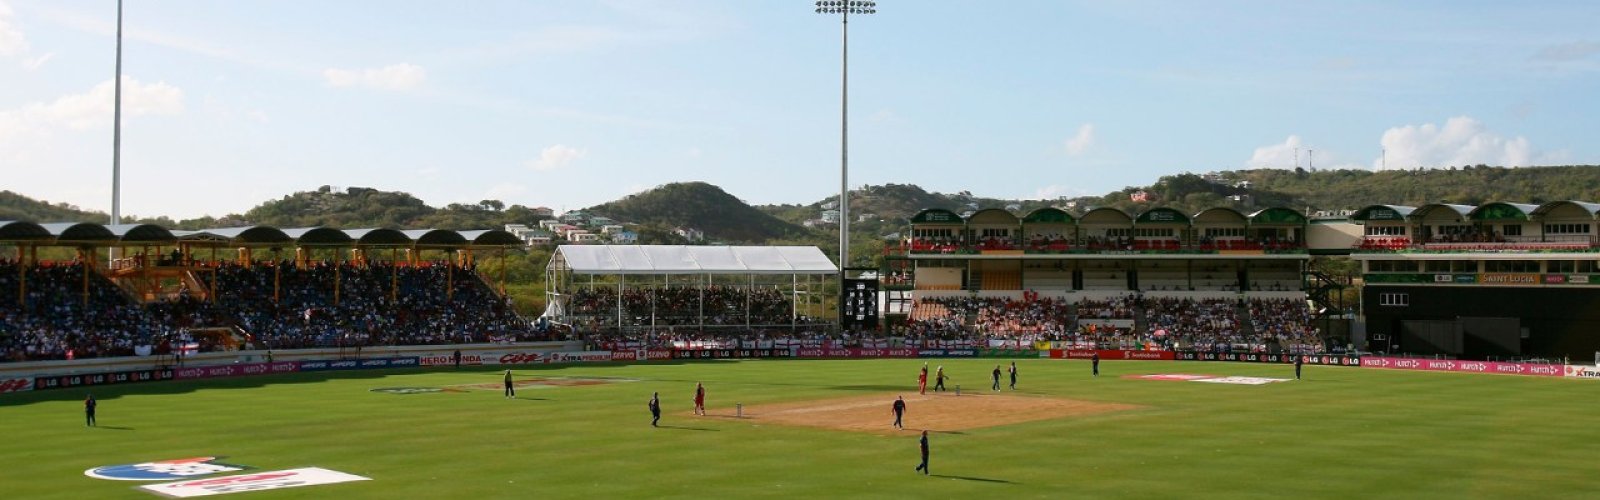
(116, 131)
(844, 8)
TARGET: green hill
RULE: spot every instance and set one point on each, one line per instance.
(701, 206)
(14, 206)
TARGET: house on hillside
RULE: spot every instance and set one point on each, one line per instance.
(598, 221)
(690, 234)
(544, 212)
(611, 228)
(830, 216)
(625, 237)
(1140, 196)
(575, 218)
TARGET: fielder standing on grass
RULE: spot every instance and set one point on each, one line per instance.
(511, 393)
(996, 387)
(924, 465)
(699, 399)
(922, 380)
(899, 410)
(1095, 363)
(938, 379)
(1298, 360)
(1013, 371)
(655, 408)
(88, 410)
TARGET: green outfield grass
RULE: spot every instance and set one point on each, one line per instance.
(1342, 433)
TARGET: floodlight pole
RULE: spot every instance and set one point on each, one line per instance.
(116, 130)
(844, 8)
(116, 141)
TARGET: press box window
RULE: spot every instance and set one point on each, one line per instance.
(1394, 299)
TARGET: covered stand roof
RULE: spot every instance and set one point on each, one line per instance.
(93, 233)
(11, 230)
(682, 259)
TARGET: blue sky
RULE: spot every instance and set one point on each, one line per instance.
(568, 104)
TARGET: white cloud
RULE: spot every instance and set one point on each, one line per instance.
(1461, 141)
(555, 157)
(93, 109)
(403, 76)
(33, 63)
(1081, 142)
(12, 41)
(1280, 155)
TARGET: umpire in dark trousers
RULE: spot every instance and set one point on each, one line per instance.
(899, 411)
(655, 408)
(924, 465)
(1298, 360)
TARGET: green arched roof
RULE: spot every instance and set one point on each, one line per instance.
(253, 234)
(491, 237)
(1162, 215)
(1237, 216)
(1592, 208)
(436, 237)
(1277, 215)
(1049, 215)
(318, 236)
(1460, 211)
(993, 216)
(79, 231)
(13, 230)
(1382, 212)
(936, 216)
(378, 236)
(1500, 210)
(1121, 216)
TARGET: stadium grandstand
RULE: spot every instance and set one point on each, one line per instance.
(172, 292)
(1499, 280)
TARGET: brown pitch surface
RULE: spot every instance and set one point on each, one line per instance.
(933, 412)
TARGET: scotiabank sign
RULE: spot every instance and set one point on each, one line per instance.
(235, 370)
(15, 385)
(1112, 354)
(855, 352)
(1451, 365)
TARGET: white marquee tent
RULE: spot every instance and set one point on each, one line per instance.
(680, 259)
(616, 268)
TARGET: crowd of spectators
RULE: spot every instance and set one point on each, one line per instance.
(62, 316)
(1112, 308)
(324, 304)
(1208, 324)
(712, 306)
(1286, 321)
